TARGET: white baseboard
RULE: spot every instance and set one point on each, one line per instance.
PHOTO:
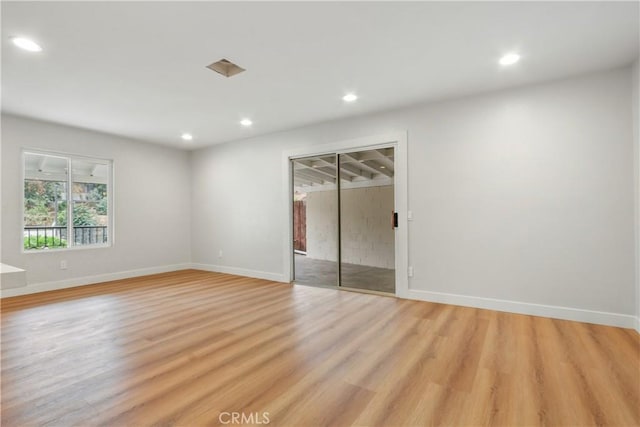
(555, 312)
(257, 274)
(89, 280)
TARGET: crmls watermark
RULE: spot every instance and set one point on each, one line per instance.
(244, 418)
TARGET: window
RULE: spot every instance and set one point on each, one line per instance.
(63, 210)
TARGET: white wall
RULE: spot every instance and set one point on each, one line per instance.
(366, 234)
(635, 108)
(151, 205)
(523, 195)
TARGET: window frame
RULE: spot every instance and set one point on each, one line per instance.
(70, 229)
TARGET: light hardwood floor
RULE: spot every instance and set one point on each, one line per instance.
(181, 348)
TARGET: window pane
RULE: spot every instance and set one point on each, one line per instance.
(45, 204)
(89, 192)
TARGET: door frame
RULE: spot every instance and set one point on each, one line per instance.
(398, 141)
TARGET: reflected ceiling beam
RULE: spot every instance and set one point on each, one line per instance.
(313, 175)
(384, 159)
(320, 174)
(381, 169)
(365, 168)
(329, 162)
(328, 174)
(386, 152)
(311, 180)
(353, 173)
(316, 165)
(356, 171)
(372, 154)
(298, 181)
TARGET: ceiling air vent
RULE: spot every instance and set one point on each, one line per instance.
(225, 67)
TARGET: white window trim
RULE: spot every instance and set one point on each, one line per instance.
(110, 208)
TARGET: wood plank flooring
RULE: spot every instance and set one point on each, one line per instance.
(186, 348)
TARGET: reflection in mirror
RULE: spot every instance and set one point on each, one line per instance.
(367, 232)
(315, 220)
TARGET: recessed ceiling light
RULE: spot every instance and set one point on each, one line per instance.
(26, 44)
(187, 136)
(509, 59)
(350, 97)
(383, 167)
(246, 122)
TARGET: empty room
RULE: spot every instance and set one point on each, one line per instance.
(320, 213)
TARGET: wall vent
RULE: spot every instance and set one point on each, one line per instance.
(226, 68)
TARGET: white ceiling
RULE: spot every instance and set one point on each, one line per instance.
(138, 68)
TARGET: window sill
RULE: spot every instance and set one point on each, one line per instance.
(69, 249)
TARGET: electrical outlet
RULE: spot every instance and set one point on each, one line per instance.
(220, 254)
(410, 271)
(63, 264)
